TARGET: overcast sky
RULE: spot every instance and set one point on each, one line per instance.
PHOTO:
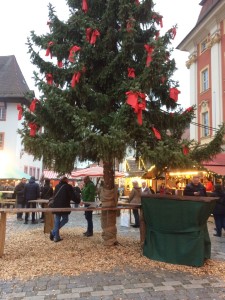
(18, 18)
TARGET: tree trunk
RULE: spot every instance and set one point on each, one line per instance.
(109, 199)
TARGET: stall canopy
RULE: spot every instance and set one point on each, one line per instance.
(13, 174)
(53, 175)
(217, 165)
(93, 172)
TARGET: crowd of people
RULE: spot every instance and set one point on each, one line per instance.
(64, 193)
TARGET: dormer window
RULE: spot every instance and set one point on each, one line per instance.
(2, 111)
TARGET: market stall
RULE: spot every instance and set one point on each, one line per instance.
(176, 228)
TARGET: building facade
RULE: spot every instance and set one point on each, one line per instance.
(13, 90)
(206, 46)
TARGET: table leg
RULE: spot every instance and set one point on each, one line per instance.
(2, 232)
(49, 222)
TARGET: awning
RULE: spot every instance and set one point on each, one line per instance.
(217, 165)
(54, 175)
(12, 173)
(93, 172)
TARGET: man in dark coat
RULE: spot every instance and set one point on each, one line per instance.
(63, 194)
(31, 192)
(219, 210)
(46, 193)
(20, 201)
(195, 188)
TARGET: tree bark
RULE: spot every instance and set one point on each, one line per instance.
(109, 199)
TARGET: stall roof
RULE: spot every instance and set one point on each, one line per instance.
(53, 175)
(217, 165)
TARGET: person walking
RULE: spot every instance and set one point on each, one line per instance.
(195, 188)
(31, 192)
(20, 201)
(46, 193)
(135, 197)
(63, 194)
(88, 195)
(219, 210)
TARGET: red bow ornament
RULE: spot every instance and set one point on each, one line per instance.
(137, 2)
(157, 33)
(94, 36)
(130, 25)
(48, 51)
(88, 34)
(158, 20)
(174, 92)
(20, 111)
(131, 72)
(173, 32)
(156, 133)
(189, 109)
(33, 104)
(59, 63)
(75, 79)
(137, 101)
(33, 128)
(49, 79)
(84, 6)
(149, 50)
(73, 51)
(185, 150)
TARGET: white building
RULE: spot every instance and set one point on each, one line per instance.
(13, 89)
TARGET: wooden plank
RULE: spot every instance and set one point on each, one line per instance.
(2, 232)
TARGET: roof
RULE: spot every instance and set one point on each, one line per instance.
(217, 165)
(13, 87)
(208, 6)
(53, 175)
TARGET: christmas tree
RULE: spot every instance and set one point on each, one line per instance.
(108, 86)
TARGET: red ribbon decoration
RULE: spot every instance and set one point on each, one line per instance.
(131, 72)
(33, 128)
(156, 133)
(174, 92)
(59, 63)
(48, 51)
(137, 101)
(20, 111)
(84, 6)
(33, 104)
(73, 51)
(185, 150)
(88, 34)
(149, 50)
(173, 32)
(189, 109)
(49, 79)
(94, 36)
(130, 25)
(158, 19)
(157, 34)
(163, 79)
(75, 79)
(137, 2)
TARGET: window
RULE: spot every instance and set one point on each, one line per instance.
(26, 169)
(30, 171)
(34, 172)
(203, 45)
(2, 111)
(1, 140)
(205, 80)
(205, 123)
(38, 173)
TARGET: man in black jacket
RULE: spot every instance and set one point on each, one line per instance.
(31, 192)
(62, 195)
(195, 188)
(20, 201)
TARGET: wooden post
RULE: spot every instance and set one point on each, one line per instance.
(49, 222)
(142, 228)
(2, 232)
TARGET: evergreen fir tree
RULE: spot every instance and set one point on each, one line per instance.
(108, 87)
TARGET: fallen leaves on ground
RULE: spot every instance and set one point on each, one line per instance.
(31, 254)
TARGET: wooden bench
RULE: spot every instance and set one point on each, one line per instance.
(48, 224)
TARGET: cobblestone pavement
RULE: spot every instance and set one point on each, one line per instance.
(118, 284)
